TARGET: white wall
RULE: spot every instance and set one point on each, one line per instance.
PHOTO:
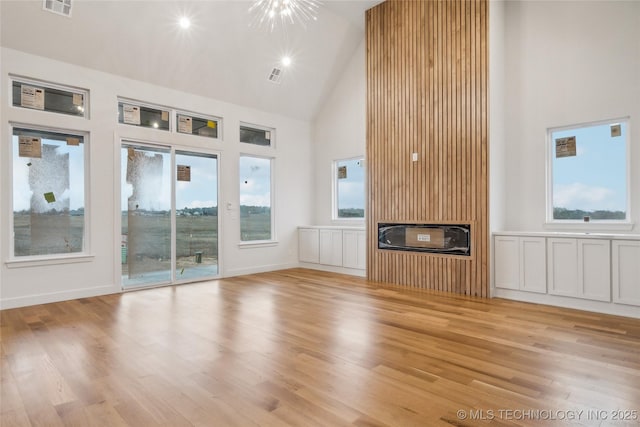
(100, 273)
(497, 147)
(339, 132)
(565, 63)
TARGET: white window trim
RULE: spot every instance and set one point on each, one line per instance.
(37, 260)
(258, 244)
(606, 225)
(49, 260)
(334, 190)
(274, 239)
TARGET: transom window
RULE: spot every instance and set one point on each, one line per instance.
(195, 124)
(589, 173)
(138, 114)
(256, 135)
(49, 97)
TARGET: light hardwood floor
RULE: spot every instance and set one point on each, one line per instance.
(305, 348)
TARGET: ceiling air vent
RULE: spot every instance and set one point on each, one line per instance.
(61, 7)
(275, 75)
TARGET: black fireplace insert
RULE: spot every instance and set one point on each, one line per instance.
(451, 239)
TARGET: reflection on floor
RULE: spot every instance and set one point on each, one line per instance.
(310, 348)
(190, 273)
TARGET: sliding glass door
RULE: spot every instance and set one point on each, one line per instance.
(146, 215)
(169, 215)
(196, 198)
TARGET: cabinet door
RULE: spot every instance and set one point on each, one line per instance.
(506, 264)
(362, 250)
(354, 249)
(626, 272)
(533, 264)
(331, 247)
(594, 269)
(562, 266)
(308, 245)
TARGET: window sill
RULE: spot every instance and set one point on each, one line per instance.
(590, 226)
(348, 220)
(38, 262)
(258, 244)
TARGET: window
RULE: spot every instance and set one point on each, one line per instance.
(198, 125)
(256, 219)
(49, 97)
(588, 174)
(256, 135)
(349, 188)
(48, 192)
(137, 114)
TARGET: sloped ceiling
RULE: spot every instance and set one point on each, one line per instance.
(221, 56)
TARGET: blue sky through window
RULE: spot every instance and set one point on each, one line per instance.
(596, 177)
(201, 191)
(255, 181)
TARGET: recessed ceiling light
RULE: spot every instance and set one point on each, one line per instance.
(185, 22)
(286, 61)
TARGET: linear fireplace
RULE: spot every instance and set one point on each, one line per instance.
(451, 239)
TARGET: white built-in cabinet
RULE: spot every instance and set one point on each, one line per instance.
(354, 249)
(507, 271)
(308, 247)
(562, 260)
(580, 268)
(331, 247)
(523, 266)
(595, 269)
(338, 248)
(626, 271)
(533, 269)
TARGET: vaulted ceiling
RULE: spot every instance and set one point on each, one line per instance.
(221, 56)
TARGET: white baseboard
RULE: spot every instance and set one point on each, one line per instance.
(568, 302)
(27, 300)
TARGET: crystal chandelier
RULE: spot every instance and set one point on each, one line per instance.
(274, 13)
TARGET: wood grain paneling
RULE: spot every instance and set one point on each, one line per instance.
(427, 94)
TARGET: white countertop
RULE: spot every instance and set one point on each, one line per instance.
(334, 227)
(574, 235)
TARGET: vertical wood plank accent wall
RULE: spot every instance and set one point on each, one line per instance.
(427, 74)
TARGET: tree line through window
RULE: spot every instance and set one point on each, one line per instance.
(589, 173)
